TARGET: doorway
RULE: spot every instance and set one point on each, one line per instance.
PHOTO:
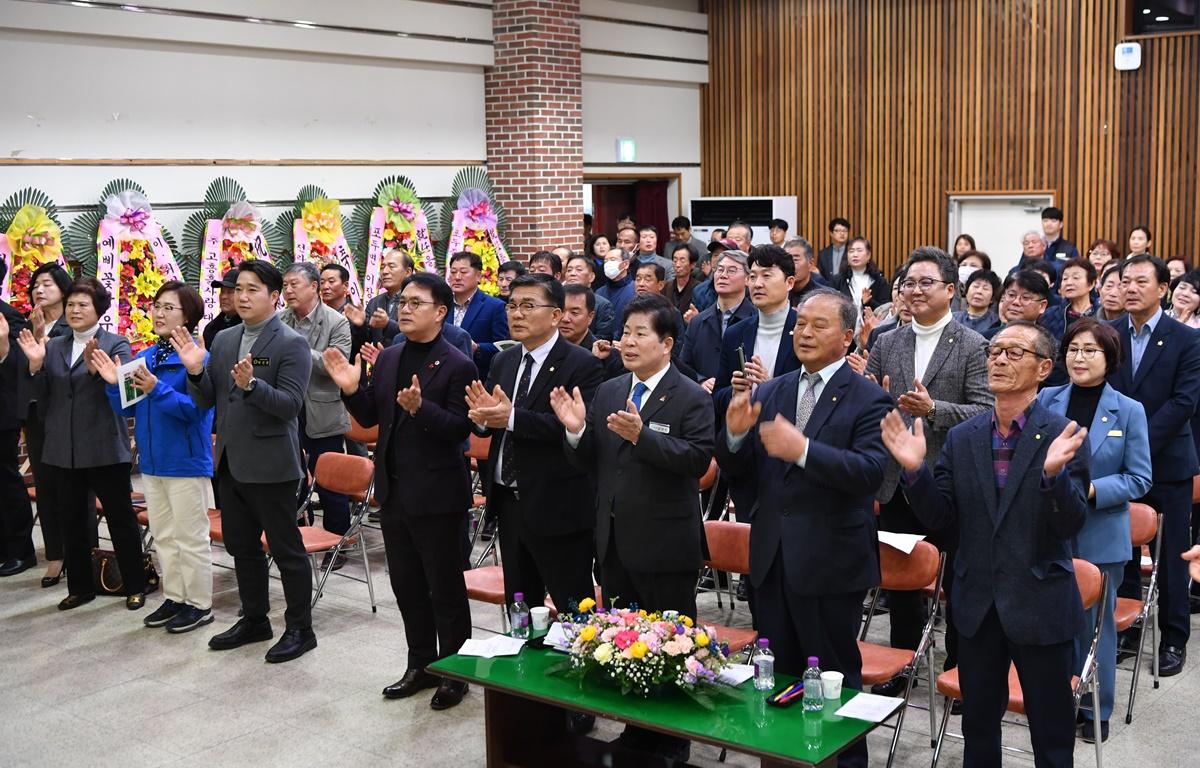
(646, 200)
(997, 221)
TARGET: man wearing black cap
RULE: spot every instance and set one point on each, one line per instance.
(228, 316)
(705, 294)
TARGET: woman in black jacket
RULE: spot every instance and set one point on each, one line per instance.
(860, 279)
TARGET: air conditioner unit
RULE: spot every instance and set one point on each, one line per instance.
(709, 213)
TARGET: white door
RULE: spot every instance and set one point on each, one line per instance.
(997, 223)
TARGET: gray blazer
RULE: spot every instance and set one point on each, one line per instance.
(956, 378)
(257, 428)
(324, 413)
(82, 429)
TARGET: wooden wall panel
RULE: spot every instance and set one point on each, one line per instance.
(876, 109)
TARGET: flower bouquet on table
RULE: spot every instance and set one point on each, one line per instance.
(32, 237)
(643, 653)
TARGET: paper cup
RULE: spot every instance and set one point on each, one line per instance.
(540, 616)
(831, 682)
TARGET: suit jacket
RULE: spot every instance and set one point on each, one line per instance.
(825, 262)
(744, 335)
(605, 321)
(258, 429)
(1167, 384)
(81, 428)
(702, 350)
(9, 398)
(425, 448)
(1120, 467)
(651, 490)
(382, 336)
(487, 322)
(556, 497)
(25, 394)
(821, 515)
(1014, 548)
(324, 414)
(956, 378)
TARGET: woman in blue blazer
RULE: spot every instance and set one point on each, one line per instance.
(1120, 467)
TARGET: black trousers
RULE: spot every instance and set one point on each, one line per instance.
(651, 591)
(1045, 672)
(335, 507)
(907, 611)
(16, 514)
(825, 626)
(423, 564)
(247, 511)
(1174, 502)
(535, 564)
(77, 520)
(47, 491)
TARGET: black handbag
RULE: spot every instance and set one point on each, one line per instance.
(106, 573)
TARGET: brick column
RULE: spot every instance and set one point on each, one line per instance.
(534, 106)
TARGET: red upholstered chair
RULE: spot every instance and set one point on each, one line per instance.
(368, 436)
(728, 551)
(1145, 528)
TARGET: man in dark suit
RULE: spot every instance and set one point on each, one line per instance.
(580, 270)
(475, 312)
(702, 345)
(256, 378)
(808, 441)
(376, 324)
(421, 479)
(1016, 484)
(829, 260)
(16, 514)
(1161, 370)
(579, 309)
(543, 505)
(648, 440)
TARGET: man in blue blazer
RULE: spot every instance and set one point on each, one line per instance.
(475, 312)
(1161, 370)
(1015, 481)
(809, 444)
(702, 348)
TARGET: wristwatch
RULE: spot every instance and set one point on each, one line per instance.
(250, 385)
(930, 414)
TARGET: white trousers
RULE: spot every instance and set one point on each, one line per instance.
(178, 511)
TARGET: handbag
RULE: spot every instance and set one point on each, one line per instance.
(106, 573)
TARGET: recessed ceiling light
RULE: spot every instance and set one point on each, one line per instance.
(1145, 11)
(1162, 18)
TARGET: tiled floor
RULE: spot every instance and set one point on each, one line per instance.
(93, 687)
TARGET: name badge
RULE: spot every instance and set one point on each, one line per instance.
(260, 361)
(1114, 433)
(663, 428)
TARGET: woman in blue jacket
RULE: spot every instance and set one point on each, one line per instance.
(1120, 468)
(175, 452)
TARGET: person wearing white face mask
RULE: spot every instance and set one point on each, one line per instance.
(620, 283)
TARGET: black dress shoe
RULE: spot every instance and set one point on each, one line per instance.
(414, 680)
(74, 601)
(338, 563)
(293, 644)
(448, 694)
(580, 723)
(243, 632)
(1089, 731)
(17, 565)
(743, 588)
(1127, 644)
(50, 581)
(893, 687)
(1170, 660)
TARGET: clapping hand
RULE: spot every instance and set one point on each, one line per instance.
(243, 372)
(37, 321)
(105, 366)
(33, 348)
(782, 439)
(354, 314)
(488, 409)
(857, 363)
(370, 352)
(602, 348)
(569, 408)
(886, 386)
(345, 375)
(627, 423)
(191, 353)
(1063, 449)
(409, 398)
(1193, 558)
(741, 415)
(708, 384)
(88, 349)
(379, 319)
(908, 448)
(916, 401)
(870, 321)
(691, 312)
(143, 379)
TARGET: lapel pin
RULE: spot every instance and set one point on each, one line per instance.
(1037, 437)
(1160, 342)
(662, 399)
(834, 398)
(1103, 418)
(552, 369)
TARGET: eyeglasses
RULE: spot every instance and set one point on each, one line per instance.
(157, 307)
(925, 283)
(412, 304)
(526, 307)
(1014, 354)
(1087, 353)
(1013, 297)
(729, 271)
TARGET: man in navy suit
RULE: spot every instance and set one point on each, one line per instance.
(1015, 482)
(421, 478)
(474, 311)
(702, 348)
(1161, 370)
(810, 445)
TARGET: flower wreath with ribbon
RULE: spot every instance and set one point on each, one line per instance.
(229, 241)
(133, 262)
(318, 237)
(32, 239)
(397, 222)
(474, 230)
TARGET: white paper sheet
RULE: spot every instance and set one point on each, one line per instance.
(869, 707)
(129, 393)
(497, 645)
(905, 542)
(736, 674)
(556, 638)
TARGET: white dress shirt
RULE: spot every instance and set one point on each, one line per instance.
(539, 356)
(651, 384)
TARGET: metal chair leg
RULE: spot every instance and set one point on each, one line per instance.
(362, 546)
(1137, 669)
(1095, 686)
(932, 686)
(941, 734)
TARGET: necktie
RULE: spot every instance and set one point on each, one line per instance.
(725, 316)
(508, 467)
(639, 391)
(808, 400)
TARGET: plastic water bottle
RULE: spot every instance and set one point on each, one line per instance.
(764, 666)
(518, 616)
(814, 697)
